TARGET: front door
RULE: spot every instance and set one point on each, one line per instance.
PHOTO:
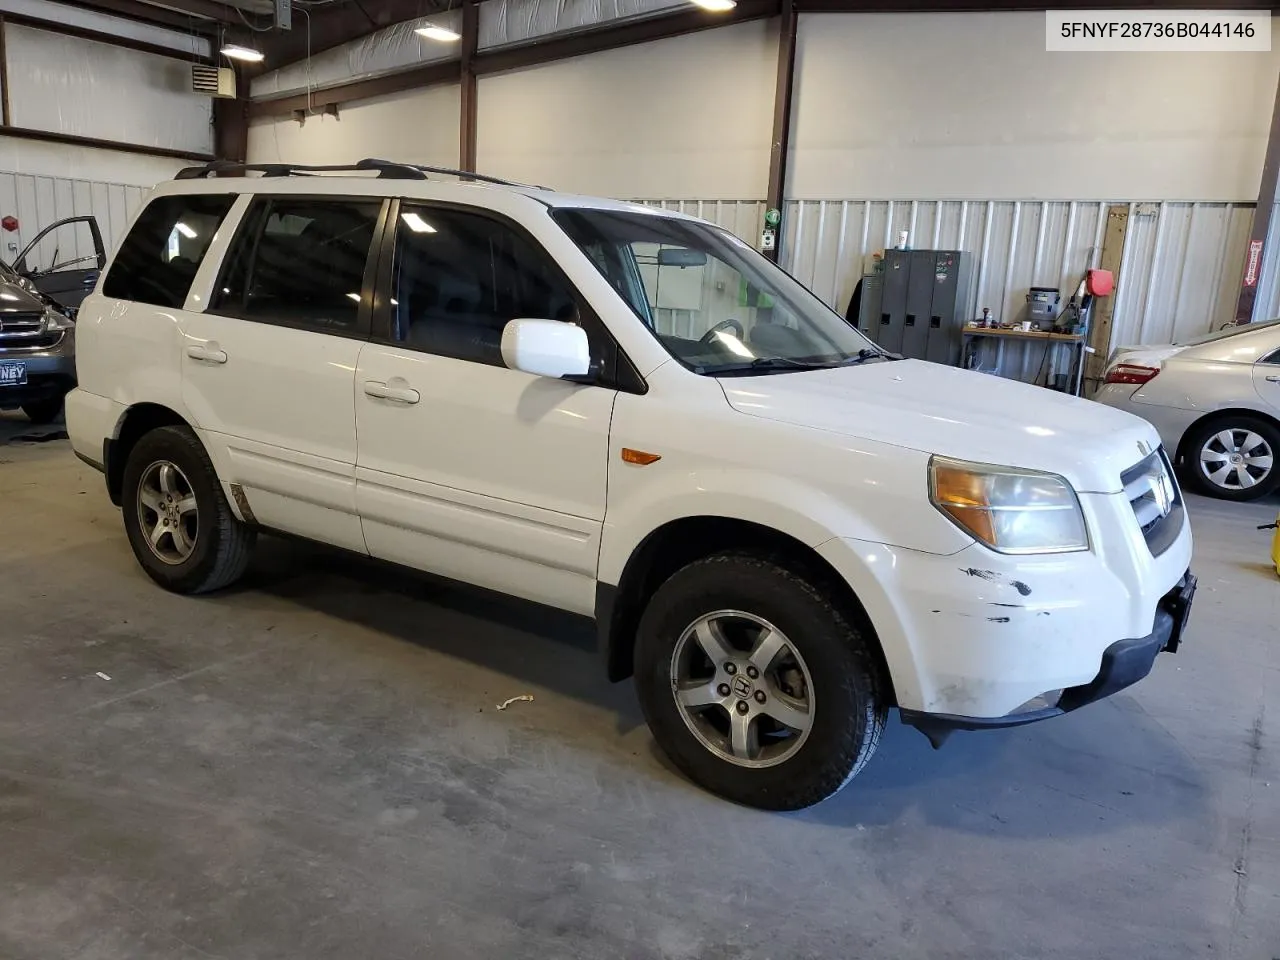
(64, 260)
(465, 468)
(269, 366)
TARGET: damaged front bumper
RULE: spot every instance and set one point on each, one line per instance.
(1124, 663)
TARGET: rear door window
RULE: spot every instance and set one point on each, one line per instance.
(160, 256)
(301, 262)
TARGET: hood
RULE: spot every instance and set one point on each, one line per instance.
(955, 413)
(15, 298)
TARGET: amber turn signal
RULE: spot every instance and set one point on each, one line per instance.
(639, 457)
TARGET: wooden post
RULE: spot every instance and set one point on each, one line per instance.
(1105, 307)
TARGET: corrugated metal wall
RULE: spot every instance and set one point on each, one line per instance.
(1182, 261)
(40, 201)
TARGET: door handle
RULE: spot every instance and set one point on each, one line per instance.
(391, 391)
(90, 280)
(209, 353)
(1273, 379)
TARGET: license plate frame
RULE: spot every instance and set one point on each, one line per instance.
(13, 373)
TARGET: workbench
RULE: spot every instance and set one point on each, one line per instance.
(1052, 342)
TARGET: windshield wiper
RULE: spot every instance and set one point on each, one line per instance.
(865, 354)
(766, 365)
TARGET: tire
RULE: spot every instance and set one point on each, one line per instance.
(1254, 438)
(219, 545)
(841, 669)
(41, 412)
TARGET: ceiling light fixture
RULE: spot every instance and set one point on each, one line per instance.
(442, 34)
(717, 6)
(236, 52)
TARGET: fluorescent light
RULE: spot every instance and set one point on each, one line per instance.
(416, 223)
(183, 229)
(237, 52)
(442, 34)
(717, 6)
(354, 296)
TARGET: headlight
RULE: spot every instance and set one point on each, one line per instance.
(53, 320)
(1010, 510)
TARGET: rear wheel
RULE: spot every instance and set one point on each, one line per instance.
(1233, 458)
(179, 523)
(755, 684)
(41, 412)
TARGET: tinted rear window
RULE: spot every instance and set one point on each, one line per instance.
(160, 256)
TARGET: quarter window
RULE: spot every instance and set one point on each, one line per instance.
(299, 261)
(160, 256)
(459, 278)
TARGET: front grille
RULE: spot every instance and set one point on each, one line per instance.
(1153, 494)
(24, 332)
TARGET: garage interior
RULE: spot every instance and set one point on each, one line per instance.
(316, 764)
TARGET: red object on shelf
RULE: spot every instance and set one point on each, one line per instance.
(10, 223)
(1100, 283)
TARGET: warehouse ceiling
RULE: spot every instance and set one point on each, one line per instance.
(322, 24)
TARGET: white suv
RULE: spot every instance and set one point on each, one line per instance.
(781, 530)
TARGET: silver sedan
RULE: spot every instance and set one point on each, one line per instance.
(1215, 401)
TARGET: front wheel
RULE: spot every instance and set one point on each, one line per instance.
(757, 685)
(179, 523)
(1233, 458)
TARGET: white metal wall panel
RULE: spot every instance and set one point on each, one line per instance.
(180, 42)
(972, 105)
(90, 89)
(1182, 261)
(39, 201)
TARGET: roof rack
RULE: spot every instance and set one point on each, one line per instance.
(387, 169)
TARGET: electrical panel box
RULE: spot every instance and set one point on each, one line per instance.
(925, 303)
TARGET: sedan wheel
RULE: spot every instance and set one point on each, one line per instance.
(1234, 459)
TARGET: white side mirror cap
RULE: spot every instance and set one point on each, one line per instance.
(546, 348)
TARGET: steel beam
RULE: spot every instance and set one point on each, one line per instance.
(1262, 216)
(780, 142)
(467, 95)
(316, 101)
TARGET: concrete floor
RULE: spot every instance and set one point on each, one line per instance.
(312, 766)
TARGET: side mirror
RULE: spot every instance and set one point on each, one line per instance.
(546, 348)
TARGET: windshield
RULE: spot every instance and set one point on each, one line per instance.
(715, 304)
(1226, 332)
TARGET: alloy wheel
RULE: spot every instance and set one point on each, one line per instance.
(742, 688)
(167, 512)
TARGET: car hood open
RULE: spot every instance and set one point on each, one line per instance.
(955, 413)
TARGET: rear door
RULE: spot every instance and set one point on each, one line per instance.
(269, 366)
(64, 260)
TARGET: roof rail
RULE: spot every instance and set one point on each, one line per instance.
(385, 168)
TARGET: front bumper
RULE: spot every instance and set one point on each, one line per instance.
(51, 373)
(1124, 663)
